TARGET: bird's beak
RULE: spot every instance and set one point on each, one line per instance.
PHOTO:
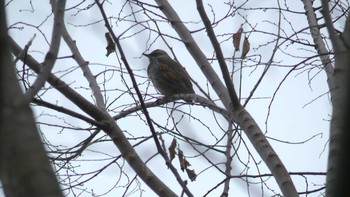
(145, 54)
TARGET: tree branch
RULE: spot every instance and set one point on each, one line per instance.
(319, 44)
(84, 66)
(24, 167)
(225, 73)
(197, 98)
(228, 164)
(329, 24)
(51, 55)
(338, 161)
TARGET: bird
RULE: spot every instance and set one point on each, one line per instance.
(168, 76)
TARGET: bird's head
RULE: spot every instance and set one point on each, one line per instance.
(156, 54)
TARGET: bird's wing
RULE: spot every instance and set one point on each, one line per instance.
(175, 74)
(168, 72)
(174, 66)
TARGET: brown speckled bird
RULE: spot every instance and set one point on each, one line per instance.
(168, 76)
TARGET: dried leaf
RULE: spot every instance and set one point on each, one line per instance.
(246, 47)
(237, 38)
(181, 158)
(191, 174)
(172, 151)
(184, 164)
(110, 44)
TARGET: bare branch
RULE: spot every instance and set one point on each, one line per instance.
(84, 66)
(338, 161)
(224, 70)
(24, 168)
(329, 24)
(228, 156)
(51, 55)
(319, 43)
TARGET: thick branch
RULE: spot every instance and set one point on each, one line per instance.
(337, 45)
(51, 55)
(338, 158)
(319, 44)
(228, 164)
(24, 167)
(194, 97)
(84, 67)
(225, 73)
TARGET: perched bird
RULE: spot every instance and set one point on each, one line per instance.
(168, 76)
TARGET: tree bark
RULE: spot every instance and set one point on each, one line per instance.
(338, 159)
(24, 167)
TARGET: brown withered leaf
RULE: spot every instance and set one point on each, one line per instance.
(246, 47)
(191, 174)
(183, 162)
(172, 151)
(237, 38)
(181, 158)
(110, 44)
